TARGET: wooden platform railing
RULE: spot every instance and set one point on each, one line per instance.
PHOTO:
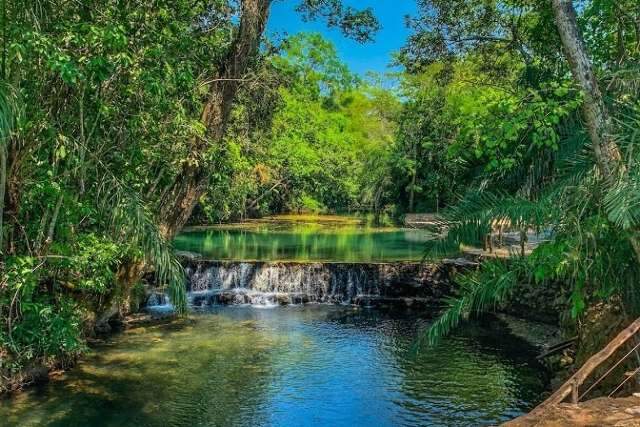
(573, 384)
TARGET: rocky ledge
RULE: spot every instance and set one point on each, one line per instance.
(404, 284)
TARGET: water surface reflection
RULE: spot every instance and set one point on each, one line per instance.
(294, 241)
(294, 366)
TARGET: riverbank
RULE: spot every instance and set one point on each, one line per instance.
(36, 373)
(596, 412)
(42, 371)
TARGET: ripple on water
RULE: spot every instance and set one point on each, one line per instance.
(319, 365)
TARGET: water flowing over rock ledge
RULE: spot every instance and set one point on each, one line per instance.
(408, 284)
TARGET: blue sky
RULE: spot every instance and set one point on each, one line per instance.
(361, 58)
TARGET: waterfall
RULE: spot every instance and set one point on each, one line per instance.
(159, 302)
(283, 283)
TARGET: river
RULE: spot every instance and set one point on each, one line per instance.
(305, 239)
(269, 358)
(316, 365)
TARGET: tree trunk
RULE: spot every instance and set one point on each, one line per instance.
(3, 185)
(182, 195)
(597, 120)
(52, 224)
(13, 192)
(596, 117)
(117, 303)
(191, 182)
(255, 202)
(414, 177)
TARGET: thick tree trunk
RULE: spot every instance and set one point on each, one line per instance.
(190, 184)
(597, 119)
(118, 302)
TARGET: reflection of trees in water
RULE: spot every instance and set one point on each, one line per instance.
(338, 239)
(162, 377)
(303, 243)
(232, 368)
(479, 375)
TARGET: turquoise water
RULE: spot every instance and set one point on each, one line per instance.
(312, 239)
(293, 366)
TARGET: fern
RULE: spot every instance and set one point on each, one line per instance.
(8, 109)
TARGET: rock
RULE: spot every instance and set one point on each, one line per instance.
(616, 417)
(402, 284)
(226, 298)
(38, 374)
(103, 328)
(635, 410)
(283, 299)
(595, 412)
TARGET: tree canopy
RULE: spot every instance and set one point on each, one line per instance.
(122, 122)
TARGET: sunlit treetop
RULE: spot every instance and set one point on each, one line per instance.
(446, 29)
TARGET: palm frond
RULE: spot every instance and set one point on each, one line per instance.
(480, 291)
(567, 180)
(622, 198)
(468, 222)
(131, 222)
(622, 202)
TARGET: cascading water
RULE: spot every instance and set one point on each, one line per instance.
(278, 284)
(282, 283)
(160, 302)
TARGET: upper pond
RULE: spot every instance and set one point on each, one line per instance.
(304, 238)
(291, 366)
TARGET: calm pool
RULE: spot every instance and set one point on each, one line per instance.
(293, 366)
(317, 239)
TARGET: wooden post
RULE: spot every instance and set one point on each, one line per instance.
(575, 392)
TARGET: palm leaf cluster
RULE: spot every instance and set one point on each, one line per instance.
(132, 224)
(480, 291)
(587, 223)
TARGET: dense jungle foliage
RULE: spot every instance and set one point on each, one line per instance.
(120, 122)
